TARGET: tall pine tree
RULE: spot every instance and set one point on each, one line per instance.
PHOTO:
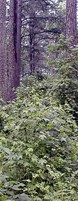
(14, 47)
(71, 23)
(2, 49)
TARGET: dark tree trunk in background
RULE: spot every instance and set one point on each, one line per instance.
(18, 42)
(2, 49)
(31, 36)
(71, 24)
(14, 47)
(32, 43)
(40, 26)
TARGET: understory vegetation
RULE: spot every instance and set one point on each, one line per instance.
(38, 145)
(38, 100)
(39, 134)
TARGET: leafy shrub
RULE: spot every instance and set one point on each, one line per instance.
(65, 85)
(38, 146)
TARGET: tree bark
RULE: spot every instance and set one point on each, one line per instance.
(31, 44)
(18, 41)
(71, 24)
(2, 49)
(14, 48)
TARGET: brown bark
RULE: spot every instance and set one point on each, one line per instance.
(71, 24)
(14, 47)
(2, 49)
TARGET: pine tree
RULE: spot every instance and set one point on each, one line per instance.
(71, 24)
(40, 25)
(2, 49)
(14, 47)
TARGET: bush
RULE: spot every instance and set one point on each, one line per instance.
(39, 147)
(65, 85)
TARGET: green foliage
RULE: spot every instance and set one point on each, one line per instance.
(65, 85)
(38, 146)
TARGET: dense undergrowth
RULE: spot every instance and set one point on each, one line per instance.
(65, 84)
(38, 146)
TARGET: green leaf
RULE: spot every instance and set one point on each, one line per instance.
(23, 197)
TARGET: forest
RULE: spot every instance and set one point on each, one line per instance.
(38, 100)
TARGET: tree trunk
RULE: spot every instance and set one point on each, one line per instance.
(14, 47)
(18, 41)
(31, 44)
(2, 49)
(71, 24)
